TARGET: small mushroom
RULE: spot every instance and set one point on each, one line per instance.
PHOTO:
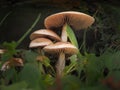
(76, 20)
(40, 43)
(61, 48)
(45, 33)
(11, 63)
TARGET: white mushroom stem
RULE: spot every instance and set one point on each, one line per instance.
(60, 64)
(64, 33)
(61, 60)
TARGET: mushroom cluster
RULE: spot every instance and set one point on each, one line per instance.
(50, 42)
(41, 38)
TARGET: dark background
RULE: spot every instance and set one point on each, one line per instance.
(22, 14)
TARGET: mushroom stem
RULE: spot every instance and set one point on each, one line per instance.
(60, 64)
(64, 33)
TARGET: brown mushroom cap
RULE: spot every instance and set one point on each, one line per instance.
(12, 62)
(59, 47)
(76, 20)
(45, 33)
(40, 42)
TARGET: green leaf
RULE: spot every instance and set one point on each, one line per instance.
(10, 75)
(93, 69)
(6, 56)
(29, 56)
(111, 60)
(98, 87)
(16, 86)
(70, 83)
(71, 36)
(49, 80)
(46, 61)
(31, 75)
(10, 50)
(10, 46)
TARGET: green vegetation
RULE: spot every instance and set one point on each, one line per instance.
(93, 68)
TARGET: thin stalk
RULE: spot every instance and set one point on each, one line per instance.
(84, 41)
(60, 64)
(4, 18)
(29, 30)
(64, 34)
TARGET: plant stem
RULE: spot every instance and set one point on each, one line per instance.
(1, 22)
(29, 30)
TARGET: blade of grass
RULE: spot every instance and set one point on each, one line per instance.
(4, 18)
(71, 36)
(29, 30)
(83, 45)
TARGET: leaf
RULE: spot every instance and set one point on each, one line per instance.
(10, 75)
(29, 56)
(49, 80)
(10, 50)
(15, 86)
(116, 75)
(46, 61)
(71, 36)
(111, 60)
(98, 87)
(31, 75)
(70, 83)
(10, 46)
(93, 69)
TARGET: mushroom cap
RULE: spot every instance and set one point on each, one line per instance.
(40, 42)
(59, 47)
(76, 20)
(12, 62)
(45, 33)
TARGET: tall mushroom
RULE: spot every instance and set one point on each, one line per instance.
(76, 20)
(61, 48)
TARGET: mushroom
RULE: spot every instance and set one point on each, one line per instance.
(40, 43)
(76, 20)
(11, 63)
(46, 33)
(61, 48)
